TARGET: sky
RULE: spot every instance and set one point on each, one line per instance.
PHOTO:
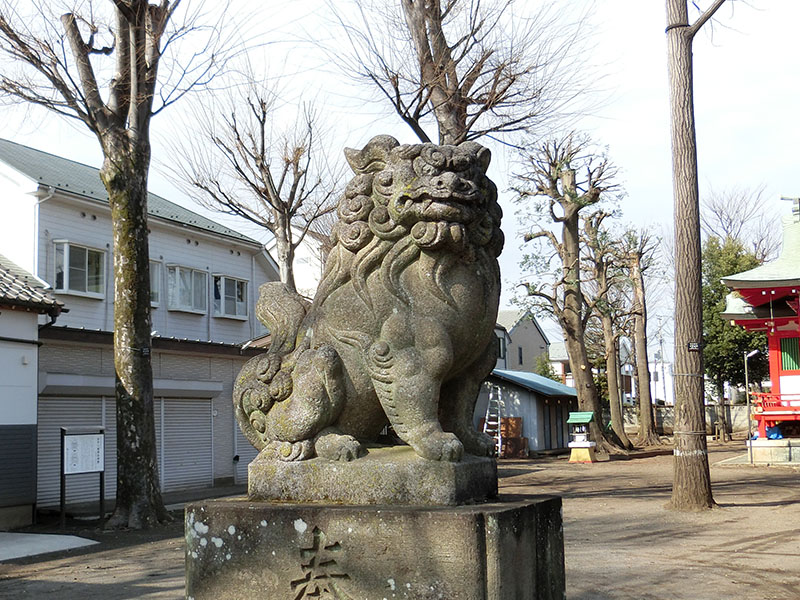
(747, 82)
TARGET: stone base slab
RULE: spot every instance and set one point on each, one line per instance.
(239, 549)
(386, 475)
(766, 451)
(583, 454)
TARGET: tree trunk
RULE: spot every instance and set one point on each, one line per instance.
(124, 174)
(571, 317)
(691, 488)
(584, 384)
(437, 69)
(612, 373)
(285, 252)
(647, 428)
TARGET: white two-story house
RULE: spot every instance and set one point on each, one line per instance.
(204, 279)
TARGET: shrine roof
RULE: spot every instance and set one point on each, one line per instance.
(784, 271)
(739, 309)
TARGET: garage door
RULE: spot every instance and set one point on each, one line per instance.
(55, 413)
(246, 453)
(183, 440)
(187, 450)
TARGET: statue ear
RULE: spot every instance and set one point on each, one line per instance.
(373, 157)
(482, 154)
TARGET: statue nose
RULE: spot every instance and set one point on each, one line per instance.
(445, 181)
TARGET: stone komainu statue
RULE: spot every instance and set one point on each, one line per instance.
(402, 326)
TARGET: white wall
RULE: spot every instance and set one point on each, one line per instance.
(525, 335)
(89, 224)
(517, 402)
(18, 368)
(18, 223)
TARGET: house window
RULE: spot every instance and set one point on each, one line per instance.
(230, 297)
(519, 354)
(155, 283)
(501, 348)
(187, 289)
(79, 269)
(790, 354)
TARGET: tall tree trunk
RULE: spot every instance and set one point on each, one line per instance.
(691, 488)
(124, 174)
(612, 374)
(647, 428)
(584, 384)
(571, 317)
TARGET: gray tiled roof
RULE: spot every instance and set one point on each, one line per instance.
(509, 318)
(20, 288)
(83, 180)
(784, 271)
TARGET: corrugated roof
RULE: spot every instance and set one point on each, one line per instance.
(20, 288)
(537, 383)
(83, 180)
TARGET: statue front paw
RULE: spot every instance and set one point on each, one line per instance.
(336, 446)
(478, 443)
(290, 451)
(437, 445)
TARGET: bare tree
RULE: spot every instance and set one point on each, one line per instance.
(742, 213)
(100, 66)
(691, 487)
(474, 68)
(566, 178)
(277, 179)
(610, 305)
(639, 253)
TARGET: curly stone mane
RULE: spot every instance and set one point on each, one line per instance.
(406, 200)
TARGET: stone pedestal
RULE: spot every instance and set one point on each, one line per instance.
(386, 475)
(506, 550)
(766, 451)
(582, 452)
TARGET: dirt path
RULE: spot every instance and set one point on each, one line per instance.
(620, 542)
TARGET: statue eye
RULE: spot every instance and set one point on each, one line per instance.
(460, 163)
(384, 178)
(428, 169)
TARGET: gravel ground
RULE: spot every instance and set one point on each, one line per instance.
(621, 543)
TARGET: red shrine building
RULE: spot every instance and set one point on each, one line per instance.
(766, 299)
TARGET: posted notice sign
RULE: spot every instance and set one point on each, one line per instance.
(83, 453)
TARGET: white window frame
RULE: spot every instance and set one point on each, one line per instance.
(173, 297)
(220, 303)
(64, 287)
(155, 283)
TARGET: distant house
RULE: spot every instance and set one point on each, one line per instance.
(503, 340)
(542, 404)
(527, 340)
(204, 282)
(559, 360)
(23, 298)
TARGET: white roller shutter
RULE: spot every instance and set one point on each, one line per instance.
(188, 444)
(246, 453)
(55, 413)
